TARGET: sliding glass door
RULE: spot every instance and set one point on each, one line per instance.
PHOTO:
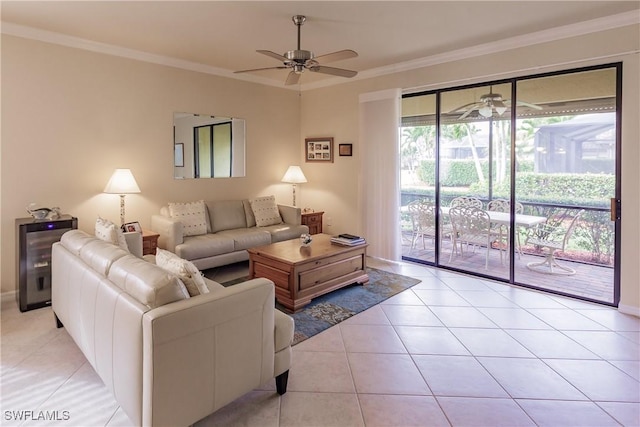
(418, 178)
(474, 146)
(514, 180)
(567, 175)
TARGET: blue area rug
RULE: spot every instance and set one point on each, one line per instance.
(337, 306)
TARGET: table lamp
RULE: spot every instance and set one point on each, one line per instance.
(294, 176)
(122, 182)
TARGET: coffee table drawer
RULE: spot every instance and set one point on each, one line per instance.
(279, 277)
(311, 278)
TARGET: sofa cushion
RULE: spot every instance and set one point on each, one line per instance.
(226, 215)
(192, 215)
(185, 270)
(245, 238)
(208, 245)
(109, 232)
(265, 211)
(101, 255)
(212, 285)
(74, 240)
(284, 231)
(147, 283)
(251, 218)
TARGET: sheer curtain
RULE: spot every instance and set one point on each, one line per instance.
(380, 181)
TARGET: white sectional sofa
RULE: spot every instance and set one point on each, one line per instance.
(169, 359)
(231, 229)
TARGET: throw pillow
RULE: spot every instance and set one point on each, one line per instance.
(109, 232)
(185, 270)
(192, 215)
(266, 211)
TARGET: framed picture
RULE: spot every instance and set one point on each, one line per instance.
(318, 150)
(178, 155)
(131, 227)
(345, 149)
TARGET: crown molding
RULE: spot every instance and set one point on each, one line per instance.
(108, 49)
(545, 36)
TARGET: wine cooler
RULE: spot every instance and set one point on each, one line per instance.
(33, 254)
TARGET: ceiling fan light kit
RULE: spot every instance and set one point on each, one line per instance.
(489, 103)
(299, 60)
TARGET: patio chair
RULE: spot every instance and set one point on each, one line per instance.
(466, 202)
(471, 227)
(423, 219)
(503, 205)
(552, 238)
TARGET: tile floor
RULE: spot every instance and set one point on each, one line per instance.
(452, 350)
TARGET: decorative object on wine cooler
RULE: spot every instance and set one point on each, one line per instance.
(43, 213)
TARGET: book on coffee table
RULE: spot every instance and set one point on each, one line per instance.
(347, 240)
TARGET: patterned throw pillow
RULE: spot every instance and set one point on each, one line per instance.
(266, 211)
(192, 215)
(185, 270)
(109, 232)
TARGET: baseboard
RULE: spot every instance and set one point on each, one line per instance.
(629, 309)
(7, 296)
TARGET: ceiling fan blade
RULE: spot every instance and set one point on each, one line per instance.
(470, 106)
(261, 69)
(336, 56)
(527, 104)
(273, 55)
(292, 78)
(333, 71)
(466, 113)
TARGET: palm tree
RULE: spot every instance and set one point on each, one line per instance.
(417, 142)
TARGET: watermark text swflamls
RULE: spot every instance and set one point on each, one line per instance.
(26, 415)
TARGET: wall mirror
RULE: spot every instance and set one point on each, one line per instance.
(207, 146)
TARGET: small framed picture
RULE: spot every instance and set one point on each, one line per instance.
(318, 150)
(132, 227)
(345, 149)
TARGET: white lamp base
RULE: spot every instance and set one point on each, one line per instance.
(122, 209)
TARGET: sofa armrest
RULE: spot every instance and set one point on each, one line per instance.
(134, 242)
(290, 214)
(211, 348)
(170, 231)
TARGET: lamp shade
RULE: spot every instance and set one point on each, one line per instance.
(294, 175)
(122, 182)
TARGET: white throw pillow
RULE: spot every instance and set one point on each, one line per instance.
(185, 270)
(266, 211)
(109, 232)
(192, 215)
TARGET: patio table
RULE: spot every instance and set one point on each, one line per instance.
(504, 218)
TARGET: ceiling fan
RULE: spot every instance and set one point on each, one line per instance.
(300, 60)
(489, 103)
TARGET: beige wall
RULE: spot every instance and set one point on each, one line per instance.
(70, 117)
(333, 111)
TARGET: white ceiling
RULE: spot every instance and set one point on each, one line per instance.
(222, 36)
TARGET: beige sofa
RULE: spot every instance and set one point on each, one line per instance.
(169, 359)
(230, 230)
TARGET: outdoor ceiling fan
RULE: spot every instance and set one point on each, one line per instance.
(489, 103)
(300, 60)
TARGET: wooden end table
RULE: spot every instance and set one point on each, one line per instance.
(313, 220)
(149, 242)
(303, 273)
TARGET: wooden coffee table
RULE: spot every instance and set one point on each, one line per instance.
(303, 273)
